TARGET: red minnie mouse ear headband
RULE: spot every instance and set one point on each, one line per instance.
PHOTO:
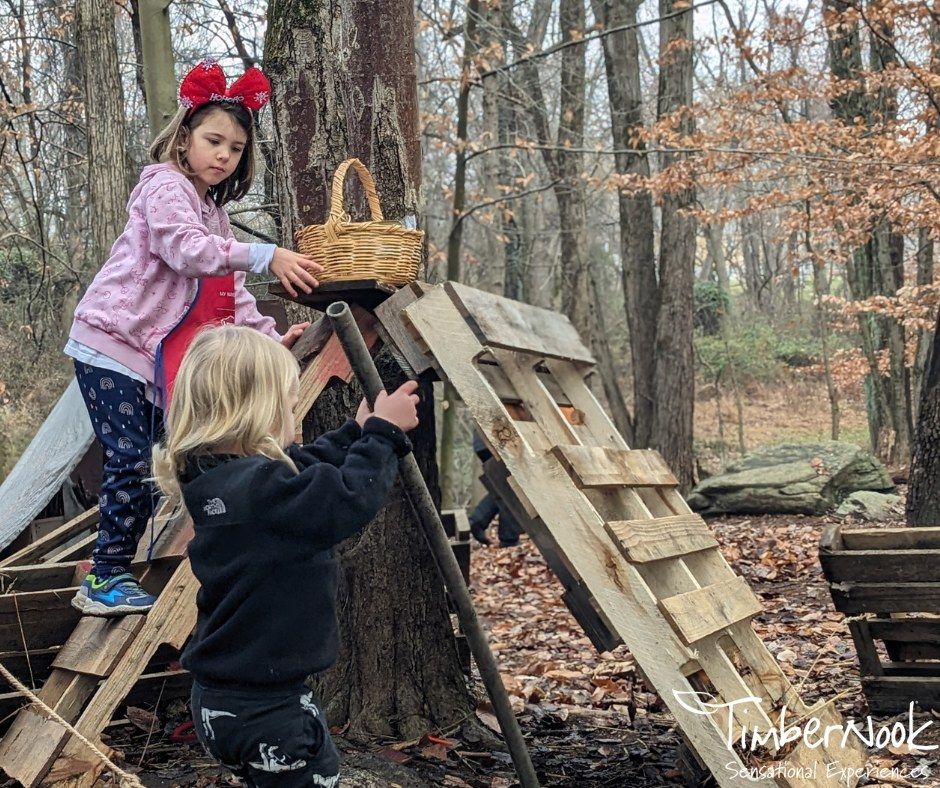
(205, 83)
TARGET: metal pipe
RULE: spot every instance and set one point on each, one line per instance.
(363, 366)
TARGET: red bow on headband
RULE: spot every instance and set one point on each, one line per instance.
(205, 83)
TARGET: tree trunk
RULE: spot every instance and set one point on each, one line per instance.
(104, 123)
(343, 81)
(923, 491)
(157, 53)
(640, 289)
(675, 368)
(455, 241)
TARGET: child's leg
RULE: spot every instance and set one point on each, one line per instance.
(267, 739)
(122, 419)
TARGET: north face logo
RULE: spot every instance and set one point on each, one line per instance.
(214, 506)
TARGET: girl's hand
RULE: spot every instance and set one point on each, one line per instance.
(293, 334)
(400, 407)
(363, 414)
(294, 269)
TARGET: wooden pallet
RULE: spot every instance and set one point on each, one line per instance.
(613, 518)
(885, 581)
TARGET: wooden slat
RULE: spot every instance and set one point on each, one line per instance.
(891, 538)
(35, 552)
(73, 552)
(596, 466)
(96, 644)
(394, 330)
(662, 537)
(36, 619)
(855, 598)
(38, 577)
(502, 322)
(906, 630)
(55, 450)
(868, 660)
(873, 566)
(697, 614)
(893, 694)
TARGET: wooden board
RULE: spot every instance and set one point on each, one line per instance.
(55, 450)
(603, 466)
(36, 551)
(697, 614)
(872, 566)
(927, 538)
(855, 598)
(368, 293)
(39, 577)
(662, 537)
(395, 334)
(502, 322)
(96, 644)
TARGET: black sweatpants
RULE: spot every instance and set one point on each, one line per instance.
(267, 738)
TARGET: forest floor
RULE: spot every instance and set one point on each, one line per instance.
(587, 717)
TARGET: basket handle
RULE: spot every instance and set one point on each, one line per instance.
(337, 212)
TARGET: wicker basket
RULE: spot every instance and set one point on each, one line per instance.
(347, 250)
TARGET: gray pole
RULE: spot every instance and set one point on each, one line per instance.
(420, 497)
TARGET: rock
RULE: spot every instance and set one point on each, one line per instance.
(867, 505)
(794, 478)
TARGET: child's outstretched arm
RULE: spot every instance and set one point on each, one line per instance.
(326, 503)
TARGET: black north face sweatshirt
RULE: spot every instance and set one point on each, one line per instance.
(263, 551)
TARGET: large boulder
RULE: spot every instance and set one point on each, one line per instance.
(793, 478)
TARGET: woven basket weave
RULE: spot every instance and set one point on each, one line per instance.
(376, 249)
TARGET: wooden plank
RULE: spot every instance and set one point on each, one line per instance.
(36, 619)
(34, 740)
(174, 533)
(893, 694)
(73, 552)
(502, 322)
(96, 644)
(55, 450)
(39, 577)
(855, 598)
(697, 614)
(508, 395)
(601, 466)
(662, 537)
(396, 333)
(33, 553)
(868, 660)
(906, 630)
(873, 566)
(891, 538)
(573, 523)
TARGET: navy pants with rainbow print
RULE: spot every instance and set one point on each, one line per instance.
(124, 422)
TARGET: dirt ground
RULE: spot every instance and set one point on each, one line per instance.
(587, 717)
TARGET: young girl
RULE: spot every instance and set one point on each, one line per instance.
(267, 514)
(175, 268)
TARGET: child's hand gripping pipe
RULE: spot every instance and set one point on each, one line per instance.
(362, 365)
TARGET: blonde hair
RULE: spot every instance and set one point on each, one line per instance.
(231, 394)
(172, 144)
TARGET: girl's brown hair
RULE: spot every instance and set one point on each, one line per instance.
(172, 143)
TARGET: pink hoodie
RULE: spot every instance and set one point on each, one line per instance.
(172, 239)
